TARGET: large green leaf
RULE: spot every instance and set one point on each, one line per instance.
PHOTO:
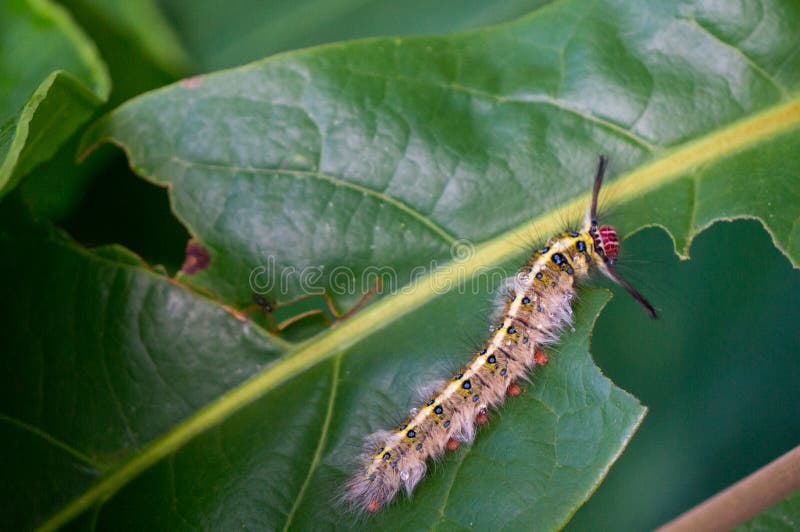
(52, 82)
(384, 152)
(144, 353)
(405, 140)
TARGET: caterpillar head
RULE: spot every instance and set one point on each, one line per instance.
(606, 243)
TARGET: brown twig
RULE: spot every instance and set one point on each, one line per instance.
(745, 499)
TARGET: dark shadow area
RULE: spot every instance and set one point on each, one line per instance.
(121, 208)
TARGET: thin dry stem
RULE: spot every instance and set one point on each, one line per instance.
(745, 499)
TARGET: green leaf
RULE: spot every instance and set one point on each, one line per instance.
(385, 152)
(149, 352)
(434, 140)
(783, 516)
(52, 79)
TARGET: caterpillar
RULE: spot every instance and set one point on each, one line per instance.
(536, 308)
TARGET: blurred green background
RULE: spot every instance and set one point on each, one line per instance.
(722, 393)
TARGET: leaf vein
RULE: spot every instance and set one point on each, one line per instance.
(445, 501)
(52, 440)
(749, 60)
(532, 99)
(337, 364)
(434, 227)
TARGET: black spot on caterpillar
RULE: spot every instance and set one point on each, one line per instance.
(537, 309)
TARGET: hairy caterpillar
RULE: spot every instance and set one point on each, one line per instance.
(536, 309)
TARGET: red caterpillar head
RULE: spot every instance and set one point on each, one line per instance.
(609, 242)
(606, 242)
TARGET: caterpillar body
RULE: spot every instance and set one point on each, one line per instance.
(536, 307)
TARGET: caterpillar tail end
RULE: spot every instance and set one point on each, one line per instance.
(367, 493)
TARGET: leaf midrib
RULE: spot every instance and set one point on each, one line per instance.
(733, 138)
